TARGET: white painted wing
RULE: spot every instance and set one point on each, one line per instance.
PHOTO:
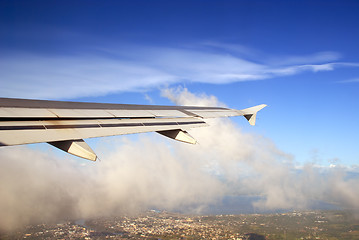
(65, 124)
(25, 132)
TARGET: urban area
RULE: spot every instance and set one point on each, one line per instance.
(166, 225)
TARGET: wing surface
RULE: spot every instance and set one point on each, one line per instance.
(65, 124)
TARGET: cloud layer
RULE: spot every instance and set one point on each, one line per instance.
(155, 172)
(138, 68)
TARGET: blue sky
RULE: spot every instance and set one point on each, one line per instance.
(298, 57)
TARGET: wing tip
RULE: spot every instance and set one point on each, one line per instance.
(251, 113)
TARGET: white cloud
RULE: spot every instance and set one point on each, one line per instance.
(134, 68)
(352, 80)
(153, 172)
(315, 58)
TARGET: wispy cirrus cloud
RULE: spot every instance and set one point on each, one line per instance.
(265, 58)
(137, 68)
(352, 80)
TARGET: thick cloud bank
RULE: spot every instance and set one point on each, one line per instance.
(154, 172)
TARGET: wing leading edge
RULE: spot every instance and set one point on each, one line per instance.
(65, 124)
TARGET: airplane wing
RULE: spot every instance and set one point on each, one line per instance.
(65, 124)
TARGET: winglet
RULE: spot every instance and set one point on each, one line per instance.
(251, 113)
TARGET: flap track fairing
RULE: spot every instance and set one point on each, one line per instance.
(179, 135)
(76, 147)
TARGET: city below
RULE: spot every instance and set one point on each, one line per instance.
(166, 225)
